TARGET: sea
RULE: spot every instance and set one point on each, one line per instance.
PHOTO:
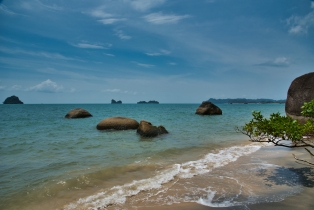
(50, 162)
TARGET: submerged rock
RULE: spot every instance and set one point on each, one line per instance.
(12, 100)
(301, 90)
(146, 129)
(78, 113)
(117, 123)
(208, 108)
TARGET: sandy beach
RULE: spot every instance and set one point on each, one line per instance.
(286, 183)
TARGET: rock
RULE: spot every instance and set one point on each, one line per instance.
(208, 108)
(12, 100)
(301, 90)
(146, 129)
(117, 123)
(116, 102)
(78, 113)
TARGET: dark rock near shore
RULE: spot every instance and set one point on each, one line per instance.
(116, 102)
(149, 102)
(301, 90)
(146, 129)
(117, 123)
(208, 108)
(12, 100)
(78, 113)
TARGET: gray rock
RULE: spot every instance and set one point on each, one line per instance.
(208, 108)
(78, 113)
(301, 90)
(117, 123)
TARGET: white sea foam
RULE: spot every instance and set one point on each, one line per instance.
(119, 194)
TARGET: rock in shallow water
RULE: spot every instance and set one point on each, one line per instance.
(78, 113)
(208, 108)
(146, 129)
(117, 123)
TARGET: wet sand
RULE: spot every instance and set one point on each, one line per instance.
(288, 185)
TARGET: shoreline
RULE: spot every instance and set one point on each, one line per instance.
(282, 157)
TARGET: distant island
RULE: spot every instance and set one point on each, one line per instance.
(116, 102)
(12, 100)
(246, 101)
(149, 102)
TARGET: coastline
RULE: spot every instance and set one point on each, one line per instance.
(282, 157)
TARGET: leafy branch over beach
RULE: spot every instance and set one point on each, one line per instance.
(282, 130)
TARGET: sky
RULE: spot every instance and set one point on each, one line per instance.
(172, 51)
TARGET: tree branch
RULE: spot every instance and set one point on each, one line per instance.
(302, 160)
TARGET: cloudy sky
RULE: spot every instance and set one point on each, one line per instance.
(173, 51)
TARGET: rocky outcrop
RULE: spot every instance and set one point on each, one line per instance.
(301, 90)
(149, 102)
(12, 100)
(78, 113)
(208, 108)
(117, 123)
(146, 129)
(116, 102)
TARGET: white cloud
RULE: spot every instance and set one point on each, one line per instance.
(172, 63)
(15, 87)
(301, 25)
(47, 86)
(5, 10)
(2, 87)
(99, 13)
(92, 46)
(278, 62)
(35, 5)
(144, 5)
(121, 35)
(143, 64)
(110, 21)
(108, 54)
(160, 18)
(40, 54)
(160, 53)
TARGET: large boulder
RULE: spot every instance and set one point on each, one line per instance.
(117, 123)
(146, 129)
(78, 113)
(12, 100)
(208, 108)
(301, 90)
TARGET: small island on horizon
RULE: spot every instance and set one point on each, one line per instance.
(116, 102)
(149, 102)
(13, 100)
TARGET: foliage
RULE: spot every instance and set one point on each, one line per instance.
(308, 109)
(278, 128)
(282, 130)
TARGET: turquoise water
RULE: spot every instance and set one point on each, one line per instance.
(46, 157)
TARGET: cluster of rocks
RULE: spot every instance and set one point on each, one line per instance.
(144, 128)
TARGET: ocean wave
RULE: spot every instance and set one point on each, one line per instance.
(118, 195)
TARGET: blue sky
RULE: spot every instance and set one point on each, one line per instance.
(172, 51)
